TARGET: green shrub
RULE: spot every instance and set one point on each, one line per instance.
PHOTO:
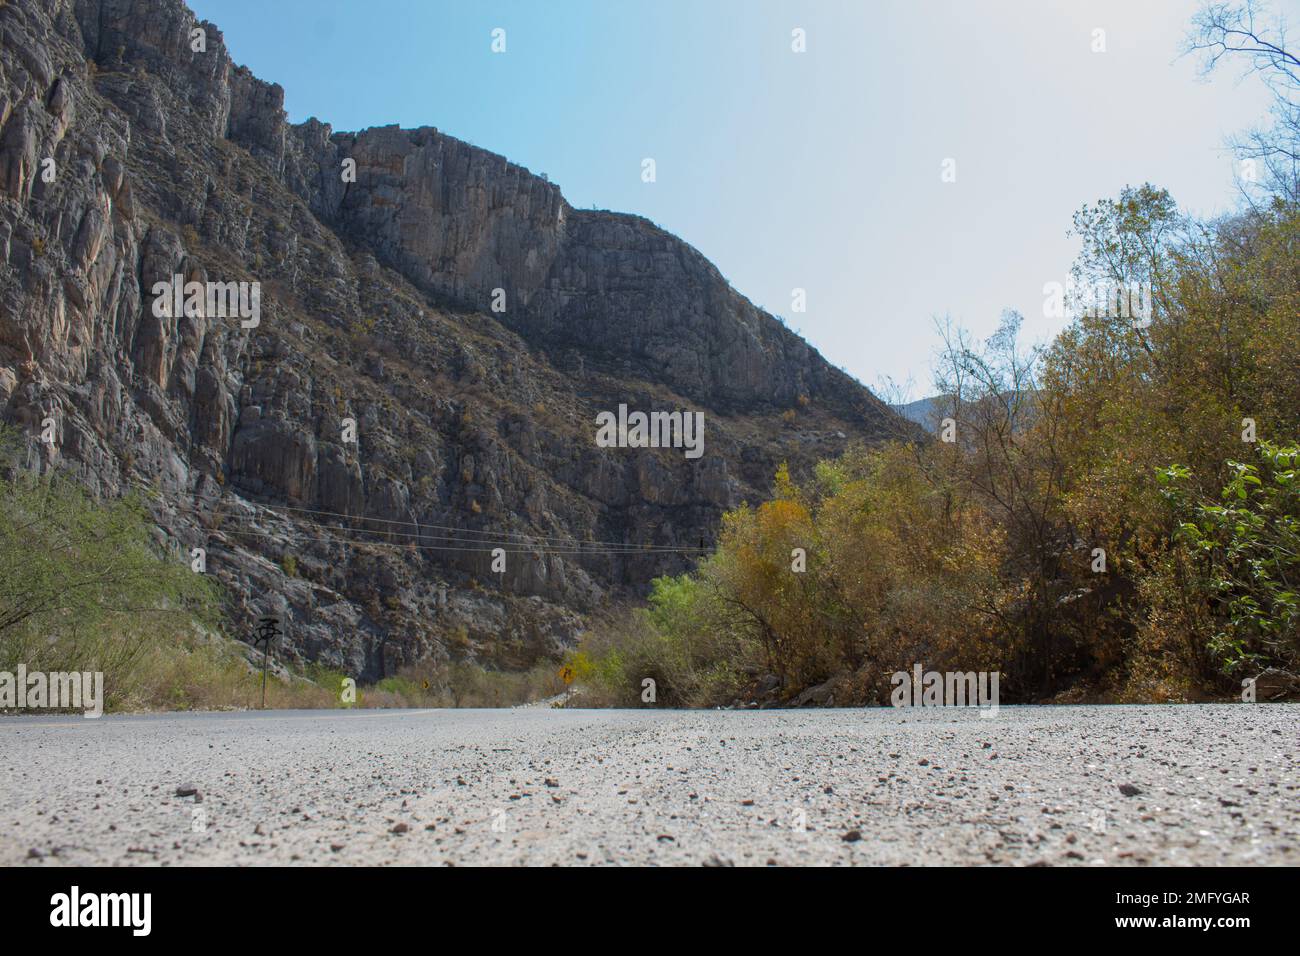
(1244, 551)
(85, 587)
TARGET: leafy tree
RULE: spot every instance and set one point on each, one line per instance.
(76, 570)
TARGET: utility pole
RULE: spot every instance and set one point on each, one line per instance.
(268, 629)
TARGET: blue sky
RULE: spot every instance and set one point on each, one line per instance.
(818, 170)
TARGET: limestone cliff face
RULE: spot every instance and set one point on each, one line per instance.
(127, 157)
(463, 222)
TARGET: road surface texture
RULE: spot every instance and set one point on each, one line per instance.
(1198, 784)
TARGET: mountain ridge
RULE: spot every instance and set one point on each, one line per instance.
(376, 307)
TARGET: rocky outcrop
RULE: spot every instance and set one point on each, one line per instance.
(463, 223)
(361, 448)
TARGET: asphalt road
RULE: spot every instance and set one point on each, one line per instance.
(1216, 784)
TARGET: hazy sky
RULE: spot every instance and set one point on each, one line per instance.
(818, 170)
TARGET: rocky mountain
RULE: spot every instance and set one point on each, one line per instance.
(430, 332)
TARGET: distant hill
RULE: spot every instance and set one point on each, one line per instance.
(923, 411)
(928, 412)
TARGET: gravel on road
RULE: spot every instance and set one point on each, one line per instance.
(1079, 785)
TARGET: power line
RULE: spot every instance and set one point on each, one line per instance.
(419, 542)
(419, 537)
(525, 537)
(335, 539)
(415, 539)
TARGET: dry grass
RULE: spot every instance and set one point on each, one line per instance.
(200, 671)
